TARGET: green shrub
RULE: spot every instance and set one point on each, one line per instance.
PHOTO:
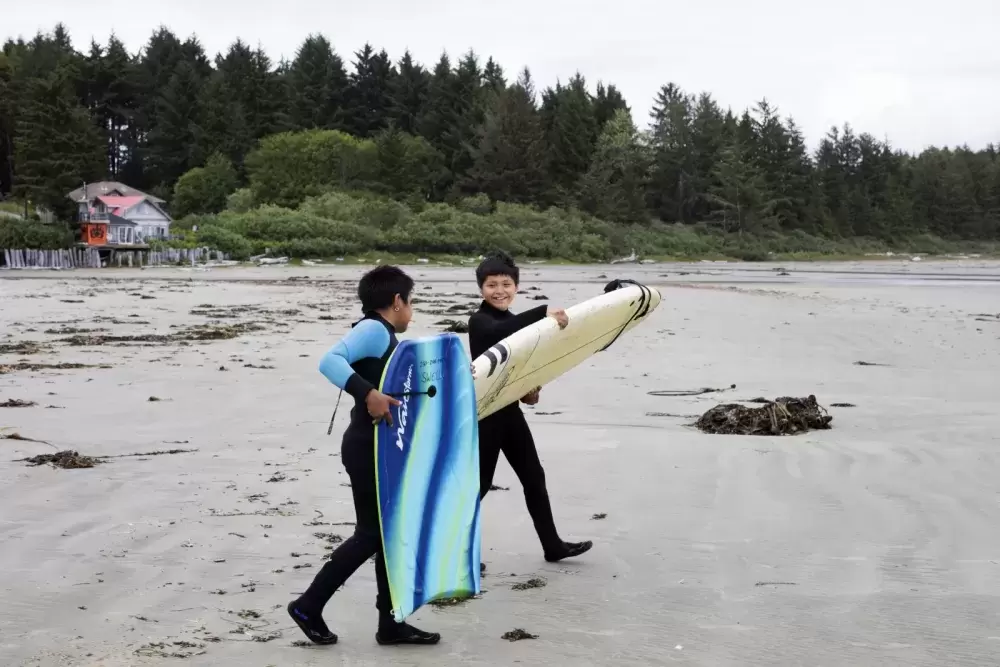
(23, 235)
(240, 201)
(339, 223)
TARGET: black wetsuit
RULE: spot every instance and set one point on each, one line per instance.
(507, 431)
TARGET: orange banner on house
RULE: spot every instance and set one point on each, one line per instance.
(95, 233)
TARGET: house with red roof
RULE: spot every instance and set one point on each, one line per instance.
(115, 214)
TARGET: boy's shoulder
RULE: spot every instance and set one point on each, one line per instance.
(369, 329)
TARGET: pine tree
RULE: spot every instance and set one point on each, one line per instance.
(739, 196)
(173, 146)
(154, 70)
(369, 103)
(437, 118)
(156, 66)
(113, 99)
(614, 187)
(797, 189)
(408, 94)
(673, 196)
(470, 100)
(8, 95)
(318, 86)
(493, 77)
(769, 149)
(58, 146)
(221, 125)
(251, 81)
(709, 136)
(607, 102)
(571, 132)
(509, 161)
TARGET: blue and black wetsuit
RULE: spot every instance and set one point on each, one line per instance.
(355, 364)
(507, 431)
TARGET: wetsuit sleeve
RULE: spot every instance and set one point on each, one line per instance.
(368, 339)
(487, 331)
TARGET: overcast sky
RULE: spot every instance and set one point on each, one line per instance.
(918, 72)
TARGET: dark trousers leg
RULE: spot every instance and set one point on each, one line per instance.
(490, 442)
(519, 449)
(511, 435)
(364, 543)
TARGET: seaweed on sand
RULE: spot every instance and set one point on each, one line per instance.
(22, 347)
(10, 368)
(452, 601)
(17, 403)
(453, 326)
(67, 459)
(529, 584)
(70, 459)
(193, 333)
(783, 416)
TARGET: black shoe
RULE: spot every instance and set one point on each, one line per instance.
(568, 550)
(403, 633)
(311, 624)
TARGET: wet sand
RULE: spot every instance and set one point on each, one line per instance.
(871, 543)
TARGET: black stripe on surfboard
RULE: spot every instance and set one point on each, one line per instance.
(491, 355)
(495, 360)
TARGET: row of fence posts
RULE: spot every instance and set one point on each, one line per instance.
(90, 258)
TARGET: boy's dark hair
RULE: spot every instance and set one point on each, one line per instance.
(378, 288)
(497, 263)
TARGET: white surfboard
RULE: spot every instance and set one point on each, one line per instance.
(538, 354)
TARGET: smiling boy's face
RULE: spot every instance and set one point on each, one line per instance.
(499, 291)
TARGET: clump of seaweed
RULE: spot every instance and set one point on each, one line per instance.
(783, 416)
(529, 584)
(10, 368)
(17, 403)
(69, 331)
(193, 333)
(451, 601)
(454, 326)
(67, 459)
(70, 459)
(517, 634)
(21, 347)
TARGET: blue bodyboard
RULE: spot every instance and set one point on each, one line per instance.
(427, 474)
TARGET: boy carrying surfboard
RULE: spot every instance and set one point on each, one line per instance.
(355, 364)
(506, 430)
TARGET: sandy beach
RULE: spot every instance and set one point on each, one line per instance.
(872, 543)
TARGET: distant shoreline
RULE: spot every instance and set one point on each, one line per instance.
(955, 269)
